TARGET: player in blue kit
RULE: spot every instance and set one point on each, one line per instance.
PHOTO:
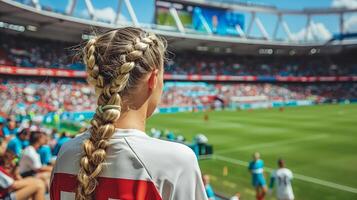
(256, 168)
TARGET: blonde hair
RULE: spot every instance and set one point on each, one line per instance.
(115, 61)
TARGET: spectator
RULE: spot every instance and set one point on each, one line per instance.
(45, 152)
(18, 143)
(208, 187)
(30, 162)
(4, 130)
(12, 126)
(63, 139)
(13, 187)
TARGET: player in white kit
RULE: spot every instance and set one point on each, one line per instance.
(283, 176)
(115, 159)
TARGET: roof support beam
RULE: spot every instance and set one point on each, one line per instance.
(70, 7)
(132, 14)
(36, 4)
(278, 22)
(240, 31)
(90, 9)
(117, 17)
(287, 30)
(307, 27)
(252, 19)
(262, 28)
(342, 23)
(178, 22)
(205, 24)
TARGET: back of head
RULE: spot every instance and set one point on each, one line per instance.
(256, 156)
(116, 62)
(205, 179)
(281, 163)
(24, 133)
(35, 137)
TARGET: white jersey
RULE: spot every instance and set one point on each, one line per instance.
(283, 177)
(30, 160)
(137, 167)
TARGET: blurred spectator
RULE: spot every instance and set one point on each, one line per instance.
(45, 152)
(12, 186)
(19, 142)
(63, 139)
(12, 126)
(208, 187)
(30, 161)
(4, 130)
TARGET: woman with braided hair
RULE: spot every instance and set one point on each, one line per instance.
(115, 159)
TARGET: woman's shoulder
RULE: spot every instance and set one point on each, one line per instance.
(165, 153)
(73, 146)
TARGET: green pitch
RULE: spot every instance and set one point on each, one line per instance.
(319, 144)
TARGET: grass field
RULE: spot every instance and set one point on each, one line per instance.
(319, 144)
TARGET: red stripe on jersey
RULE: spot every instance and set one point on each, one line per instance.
(114, 188)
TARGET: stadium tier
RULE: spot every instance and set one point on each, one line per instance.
(29, 56)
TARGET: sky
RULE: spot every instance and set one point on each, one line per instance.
(323, 26)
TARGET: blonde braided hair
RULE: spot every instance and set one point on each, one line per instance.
(115, 62)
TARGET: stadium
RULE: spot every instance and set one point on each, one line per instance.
(240, 77)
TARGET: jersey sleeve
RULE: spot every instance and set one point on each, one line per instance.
(189, 184)
(290, 174)
(250, 166)
(273, 174)
(272, 179)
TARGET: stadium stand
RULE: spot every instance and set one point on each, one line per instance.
(29, 52)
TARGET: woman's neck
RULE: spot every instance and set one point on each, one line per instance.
(132, 119)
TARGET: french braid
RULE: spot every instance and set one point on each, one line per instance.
(114, 62)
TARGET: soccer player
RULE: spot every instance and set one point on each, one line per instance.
(115, 158)
(283, 176)
(256, 168)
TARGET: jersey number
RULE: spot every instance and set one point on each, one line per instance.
(283, 180)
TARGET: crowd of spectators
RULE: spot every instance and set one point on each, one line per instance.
(27, 153)
(22, 97)
(258, 65)
(30, 52)
(27, 96)
(195, 94)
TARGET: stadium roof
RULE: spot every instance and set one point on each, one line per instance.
(51, 25)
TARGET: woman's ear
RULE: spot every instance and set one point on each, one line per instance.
(152, 82)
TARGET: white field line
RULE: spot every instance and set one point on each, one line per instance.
(297, 176)
(272, 144)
